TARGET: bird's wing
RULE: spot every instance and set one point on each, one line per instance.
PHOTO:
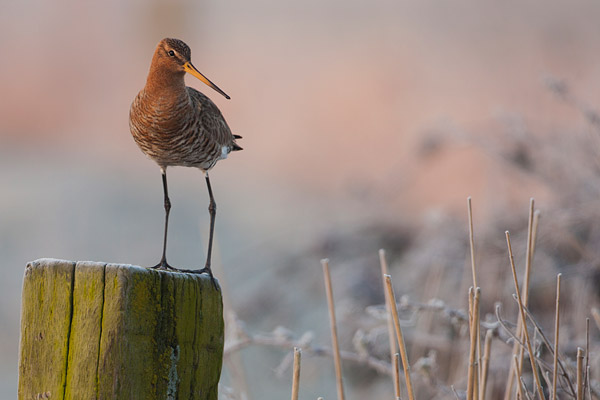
(212, 120)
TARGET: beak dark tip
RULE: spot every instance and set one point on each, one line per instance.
(227, 97)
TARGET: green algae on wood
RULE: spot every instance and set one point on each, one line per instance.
(119, 332)
(86, 329)
(45, 327)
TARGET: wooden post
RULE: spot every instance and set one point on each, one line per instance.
(107, 331)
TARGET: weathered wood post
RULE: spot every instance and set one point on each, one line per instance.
(106, 331)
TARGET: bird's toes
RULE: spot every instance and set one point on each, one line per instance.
(205, 270)
(164, 266)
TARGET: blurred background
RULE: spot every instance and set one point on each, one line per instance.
(365, 125)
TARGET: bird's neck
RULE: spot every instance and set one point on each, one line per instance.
(164, 82)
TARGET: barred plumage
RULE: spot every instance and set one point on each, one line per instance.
(176, 125)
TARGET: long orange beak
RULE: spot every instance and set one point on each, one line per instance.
(192, 70)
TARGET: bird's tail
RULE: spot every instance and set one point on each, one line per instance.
(235, 146)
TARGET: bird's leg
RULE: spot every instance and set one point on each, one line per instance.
(163, 261)
(212, 209)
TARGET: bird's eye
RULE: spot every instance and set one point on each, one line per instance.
(171, 53)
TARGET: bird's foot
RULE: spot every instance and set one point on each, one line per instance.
(164, 266)
(205, 270)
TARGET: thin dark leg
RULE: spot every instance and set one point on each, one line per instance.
(212, 209)
(163, 261)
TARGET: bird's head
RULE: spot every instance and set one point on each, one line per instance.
(174, 56)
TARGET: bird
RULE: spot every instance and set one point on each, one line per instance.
(176, 125)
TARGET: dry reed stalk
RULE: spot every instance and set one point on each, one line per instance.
(534, 369)
(485, 363)
(397, 375)
(399, 337)
(296, 379)
(474, 272)
(518, 375)
(589, 387)
(596, 316)
(471, 241)
(334, 335)
(529, 251)
(472, 371)
(580, 356)
(390, 323)
(528, 258)
(587, 353)
(556, 335)
(469, 362)
(536, 222)
(476, 380)
(470, 309)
